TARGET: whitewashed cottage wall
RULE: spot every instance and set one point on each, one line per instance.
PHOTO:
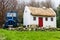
(28, 19)
(49, 22)
(33, 21)
(26, 16)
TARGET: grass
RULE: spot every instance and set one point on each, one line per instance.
(29, 35)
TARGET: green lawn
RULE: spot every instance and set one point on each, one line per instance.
(29, 35)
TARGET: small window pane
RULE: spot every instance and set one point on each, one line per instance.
(11, 14)
(51, 19)
(34, 18)
(46, 19)
(14, 14)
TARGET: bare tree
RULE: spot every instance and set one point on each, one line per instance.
(20, 10)
(33, 3)
(6, 5)
(47, 4)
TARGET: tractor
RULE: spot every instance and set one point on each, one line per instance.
(11, 19)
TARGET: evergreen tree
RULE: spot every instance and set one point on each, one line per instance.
(58, 16)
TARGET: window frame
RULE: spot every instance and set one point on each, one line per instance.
(34, 18)
(51, 18)
(46, 19)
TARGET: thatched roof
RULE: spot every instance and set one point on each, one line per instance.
(42, 11)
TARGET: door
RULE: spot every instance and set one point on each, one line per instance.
(40, 22)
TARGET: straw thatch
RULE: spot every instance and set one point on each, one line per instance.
(42, 11)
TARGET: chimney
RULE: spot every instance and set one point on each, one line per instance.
(44, 7)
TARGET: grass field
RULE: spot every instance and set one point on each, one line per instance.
(29, 35)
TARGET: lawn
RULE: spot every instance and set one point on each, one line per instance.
(29, 35)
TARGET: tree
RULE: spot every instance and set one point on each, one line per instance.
(6, 5)
(33, 3)
(58, 16)
(47, 4)
(20, 10)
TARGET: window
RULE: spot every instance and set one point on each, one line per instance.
(51, 19)
(46, 19)
(11, 14)
(34, 18)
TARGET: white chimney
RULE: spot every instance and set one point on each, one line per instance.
(44, 7)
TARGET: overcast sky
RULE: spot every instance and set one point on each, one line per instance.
(56, 2)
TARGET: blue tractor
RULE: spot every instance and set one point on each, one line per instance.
(11, 19)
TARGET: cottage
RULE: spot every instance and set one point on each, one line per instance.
(43, 17)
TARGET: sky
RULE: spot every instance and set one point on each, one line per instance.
(56, 2)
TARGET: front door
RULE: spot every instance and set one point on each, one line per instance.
(40, 22)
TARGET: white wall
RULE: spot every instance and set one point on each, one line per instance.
(28, 19)
(49, 22)
(33, 21)
(45, 23)
(26, 16)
